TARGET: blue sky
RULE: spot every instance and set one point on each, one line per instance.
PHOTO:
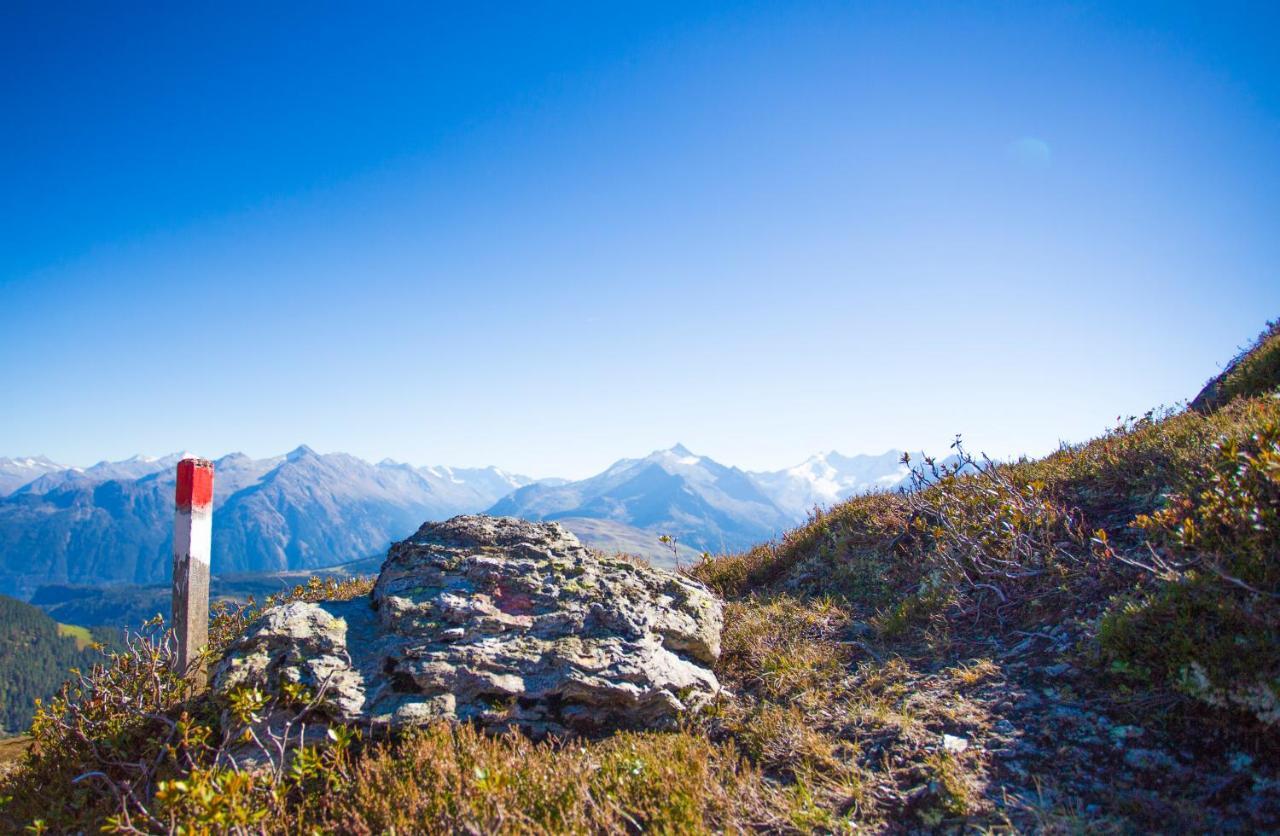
(549, 237)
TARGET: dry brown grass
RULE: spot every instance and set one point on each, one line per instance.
(973, 672)
(454, 779)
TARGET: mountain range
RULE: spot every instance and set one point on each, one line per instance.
(14, 473)
(823, 480)
(111, 523)
(699, 501)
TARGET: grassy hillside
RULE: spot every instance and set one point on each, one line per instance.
(36, 654)
(1084, 642)
(1254, 370)
(80, 635)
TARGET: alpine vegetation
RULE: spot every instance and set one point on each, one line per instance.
(1086, 641)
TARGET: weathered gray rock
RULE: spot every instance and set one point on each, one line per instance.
(498, 621)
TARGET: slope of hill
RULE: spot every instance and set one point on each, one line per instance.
(612, 536)
(708, 506)
(1087, 642)
(1082, 643)
(1253, 370)
(36, 654)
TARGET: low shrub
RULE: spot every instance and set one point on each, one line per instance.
(989, 540)
(1211, 624)
(130, 725)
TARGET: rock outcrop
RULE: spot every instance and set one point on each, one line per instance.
(497, 621)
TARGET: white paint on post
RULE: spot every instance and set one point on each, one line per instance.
(193, 533)
(192, 542)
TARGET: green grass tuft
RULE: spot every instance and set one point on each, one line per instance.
(82, 635)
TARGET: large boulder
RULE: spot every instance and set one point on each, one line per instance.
(497, 621)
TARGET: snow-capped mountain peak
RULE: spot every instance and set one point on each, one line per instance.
(673, 491)
(678, 455)
(299, 452)
(824, 479)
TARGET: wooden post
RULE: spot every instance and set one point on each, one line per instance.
(192, 537)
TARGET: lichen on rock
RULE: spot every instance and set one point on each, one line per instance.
(500, 622)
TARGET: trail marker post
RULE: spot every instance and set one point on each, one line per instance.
(192, 538)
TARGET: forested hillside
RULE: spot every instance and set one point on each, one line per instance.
(35, 657)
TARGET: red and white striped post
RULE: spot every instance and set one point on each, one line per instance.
(192, 539)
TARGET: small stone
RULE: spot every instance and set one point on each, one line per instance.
(1239, 761)
(862, 630)
(1123, 733)
(953, 744)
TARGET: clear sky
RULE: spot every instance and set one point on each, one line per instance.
(546, 237)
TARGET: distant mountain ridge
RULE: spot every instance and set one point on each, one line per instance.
(827, 478)
(111, 523)
(706, 505)
(304, 510)
(703, 503)
(14, 473)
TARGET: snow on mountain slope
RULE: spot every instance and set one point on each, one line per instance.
(827, 478)
(472, 487)
(134, 467)
(16, 472)
(706, 505)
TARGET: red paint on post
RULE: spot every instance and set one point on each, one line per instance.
(195, 483)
